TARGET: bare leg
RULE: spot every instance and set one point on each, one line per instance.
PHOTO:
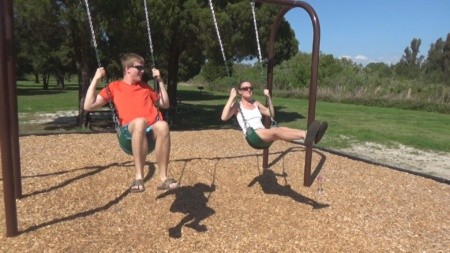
(281, 133)
(161, 134)
(137, 129)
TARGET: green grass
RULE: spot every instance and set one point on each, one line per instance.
(31, 97)
(348, 123)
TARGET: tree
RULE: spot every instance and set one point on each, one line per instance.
(410, 63)
(446, 53)
(379, 69)
(434, 65)
(187, 38)
(39, 33)
(182, 33)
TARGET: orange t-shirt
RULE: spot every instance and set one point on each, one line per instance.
(132, 101)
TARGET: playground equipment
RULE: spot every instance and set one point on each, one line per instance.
(8, 101)
(124, 143)
(251, 136)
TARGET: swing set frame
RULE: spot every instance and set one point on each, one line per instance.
(288, 5)
(252, 138)
(9, 136)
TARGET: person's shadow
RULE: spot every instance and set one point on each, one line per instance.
(269, 184)
(191, 201)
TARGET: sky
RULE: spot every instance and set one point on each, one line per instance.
(372, 30)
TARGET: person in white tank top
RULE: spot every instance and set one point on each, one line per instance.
(253, 112)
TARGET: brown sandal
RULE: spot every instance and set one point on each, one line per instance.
(166, 184)
(137, 186)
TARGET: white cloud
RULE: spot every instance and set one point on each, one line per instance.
(346, 57)
(393, 59)
(364, 60)
(361, 58)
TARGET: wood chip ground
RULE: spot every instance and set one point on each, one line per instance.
(76, 199)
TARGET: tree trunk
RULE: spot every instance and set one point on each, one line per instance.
(81, 48)
(172, 82)
(84, 119)
(36, 77)
(60, 80)
(45, 80)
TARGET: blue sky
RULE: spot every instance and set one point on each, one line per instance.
(372, 31)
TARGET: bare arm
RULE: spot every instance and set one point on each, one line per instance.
(163, 101)
(93, 101)
(269, 112)
(230, 107)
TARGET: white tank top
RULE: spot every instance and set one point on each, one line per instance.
(252, 118)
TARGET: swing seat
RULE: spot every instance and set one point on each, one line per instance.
(125, 141)
(254, 140)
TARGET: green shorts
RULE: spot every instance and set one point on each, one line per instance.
(124, 137)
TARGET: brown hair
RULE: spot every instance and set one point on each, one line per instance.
(128, 60)
(240, 84)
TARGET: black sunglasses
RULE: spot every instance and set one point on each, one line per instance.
(247, 88)
(139, 67)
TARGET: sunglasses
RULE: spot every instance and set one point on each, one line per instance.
(247, 88)
(138, 67)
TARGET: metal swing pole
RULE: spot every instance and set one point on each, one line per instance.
(8, 107)
(288, 5)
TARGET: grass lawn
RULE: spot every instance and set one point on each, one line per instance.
(348, 123)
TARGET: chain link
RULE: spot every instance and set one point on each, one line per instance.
(115, 118)
(260, 63)
(149, 34)
(94, 41)
(219, 38)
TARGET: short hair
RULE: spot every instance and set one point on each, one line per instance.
(128, 60)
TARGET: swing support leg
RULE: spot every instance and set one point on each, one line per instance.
(307, 171)
(286, 6)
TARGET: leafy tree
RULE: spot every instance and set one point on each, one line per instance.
(437, 65)
(446, 57)
(410, 64)
(39, 34)
(294, 73)
(380, 69)
(188, 38)
(434, 65)
(55, 36)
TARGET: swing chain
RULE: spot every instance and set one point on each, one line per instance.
(94, 41)
(260, 63)
(149, 34)
(219, 38)
(252, 3)
(256, 30)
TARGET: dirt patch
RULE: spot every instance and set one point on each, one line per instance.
(76, 199)
(426, 162)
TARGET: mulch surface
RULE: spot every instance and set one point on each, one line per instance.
(76, 199)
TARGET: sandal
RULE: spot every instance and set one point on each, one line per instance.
(322, 129)
(137, 186)
(166, 184)
(312, 132)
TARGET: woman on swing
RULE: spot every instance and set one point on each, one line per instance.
(253, 111)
